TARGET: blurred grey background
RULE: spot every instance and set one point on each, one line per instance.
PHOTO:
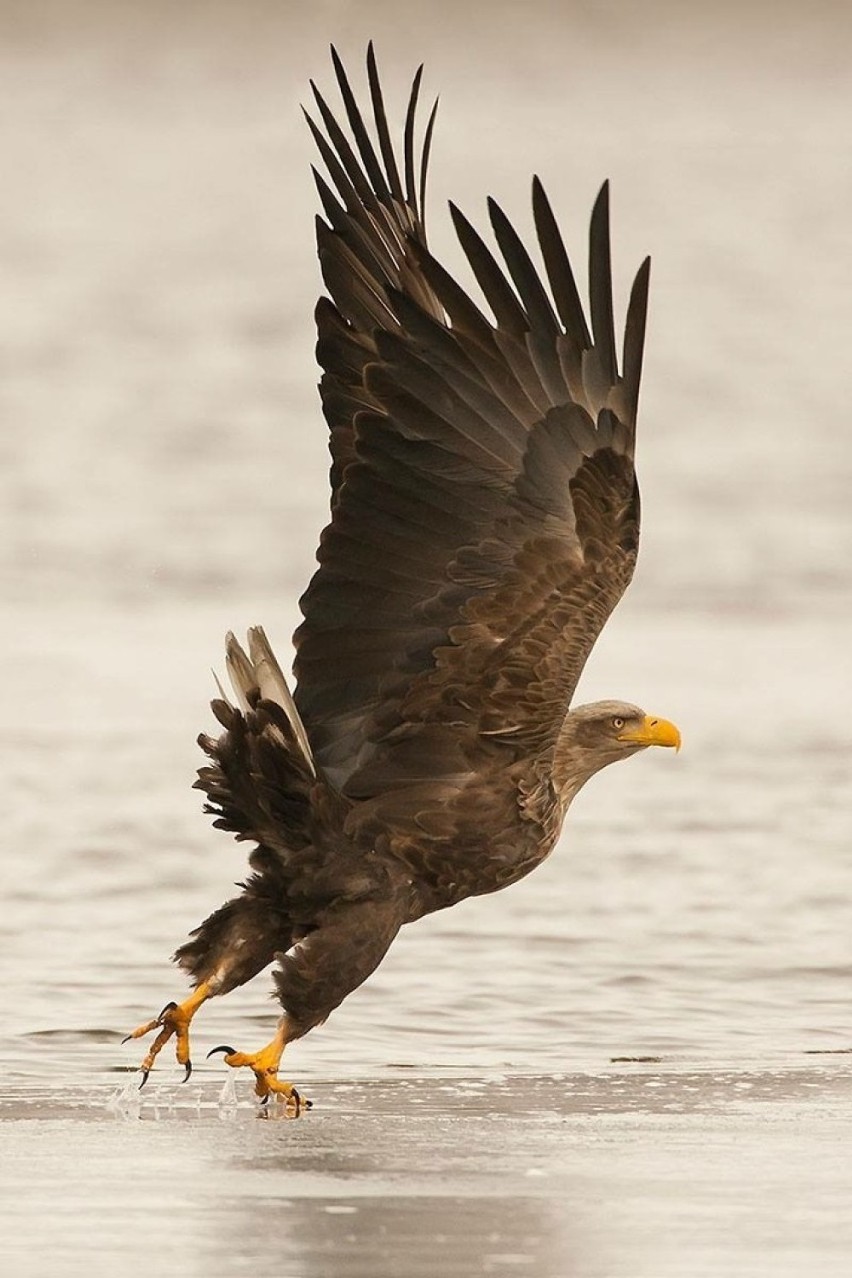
(163, 479)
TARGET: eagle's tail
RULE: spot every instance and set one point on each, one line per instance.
(259, 781)
(258, 677)
(258, 785)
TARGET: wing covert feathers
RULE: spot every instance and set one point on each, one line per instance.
(484, 508)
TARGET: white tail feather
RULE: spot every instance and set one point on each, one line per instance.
(261, 670)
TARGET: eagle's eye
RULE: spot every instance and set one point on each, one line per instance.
(618, 723)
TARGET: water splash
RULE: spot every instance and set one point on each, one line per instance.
(126, 1102)
(228, 1101)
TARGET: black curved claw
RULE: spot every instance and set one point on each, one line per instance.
(145, 1075)
(227, 1051)
(170, 1007)
(126, 1039)
(188, 1067)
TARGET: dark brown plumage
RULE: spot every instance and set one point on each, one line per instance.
(484, 524)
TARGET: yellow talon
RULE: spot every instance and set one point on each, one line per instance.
(173, 1020)
(264, 1065)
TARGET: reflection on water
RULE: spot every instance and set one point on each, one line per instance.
(419, 1236)
(626, 1172)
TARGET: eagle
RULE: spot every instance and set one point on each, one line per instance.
(484, 523)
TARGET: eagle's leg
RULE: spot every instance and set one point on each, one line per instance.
(229, 948)
(264, 1064)
(174, 1020)
(314, 976)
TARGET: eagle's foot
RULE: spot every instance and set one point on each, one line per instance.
(173, 1021)
(264, 1065)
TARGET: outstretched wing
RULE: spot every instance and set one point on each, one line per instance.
(485, 513)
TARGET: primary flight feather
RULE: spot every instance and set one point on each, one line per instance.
(484, 524)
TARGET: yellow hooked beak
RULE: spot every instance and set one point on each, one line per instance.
(653, 731)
